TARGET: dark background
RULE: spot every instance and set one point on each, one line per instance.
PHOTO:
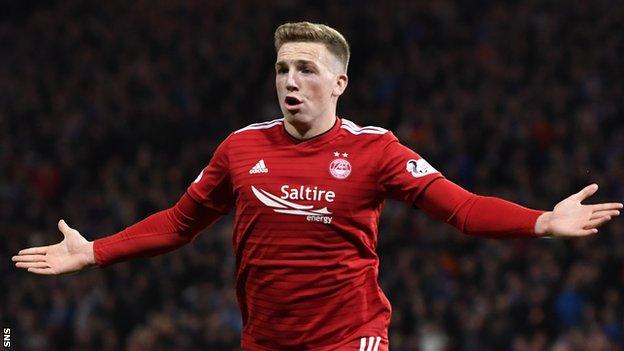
(109, 110)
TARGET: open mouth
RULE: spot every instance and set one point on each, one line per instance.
(292, 103)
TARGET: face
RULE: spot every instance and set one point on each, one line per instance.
(308, 79)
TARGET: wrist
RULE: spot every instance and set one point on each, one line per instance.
(89, 254)
(542, 224)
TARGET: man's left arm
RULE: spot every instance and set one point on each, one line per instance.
(406, 176)
(494, 217)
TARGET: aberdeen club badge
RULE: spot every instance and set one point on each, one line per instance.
(340, 168)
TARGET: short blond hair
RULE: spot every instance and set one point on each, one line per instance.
(314, 33)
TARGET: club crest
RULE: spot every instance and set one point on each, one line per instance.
(340, 168)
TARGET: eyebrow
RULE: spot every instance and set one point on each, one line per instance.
(297, 62)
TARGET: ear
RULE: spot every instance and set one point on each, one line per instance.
(341, 84)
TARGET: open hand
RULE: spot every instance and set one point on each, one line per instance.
(72, 254)
(572, 218)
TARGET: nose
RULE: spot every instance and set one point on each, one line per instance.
(291, 84)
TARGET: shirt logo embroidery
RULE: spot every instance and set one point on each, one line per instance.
(419, 168)
(340, 168)
(260, 167)
(280, 205)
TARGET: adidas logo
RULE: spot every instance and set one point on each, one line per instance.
(260, 167)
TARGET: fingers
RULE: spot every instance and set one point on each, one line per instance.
(595, 223)
(30, 261)
(63, 227)
(45, 271)
(40, 250)
(28, 258)
(584, 232)
(611, 213)
(585, 192)
(606, 206)
(32, 265)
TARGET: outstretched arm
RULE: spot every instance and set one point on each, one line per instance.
(159, 233)
(493, 217)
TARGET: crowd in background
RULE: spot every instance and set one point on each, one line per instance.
(109, 110)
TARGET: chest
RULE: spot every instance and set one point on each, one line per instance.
(337, 181)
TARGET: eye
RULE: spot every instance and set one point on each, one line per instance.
(306, 70)
(281, 70)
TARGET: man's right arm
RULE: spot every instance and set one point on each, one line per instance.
(209, 197)
(161, 232)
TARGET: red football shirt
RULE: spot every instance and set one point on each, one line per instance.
(305, 230)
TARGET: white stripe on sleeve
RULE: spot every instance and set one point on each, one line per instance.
(376, 348)
(371, 341)
(362, 344)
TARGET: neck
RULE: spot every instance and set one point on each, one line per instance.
(307, 130)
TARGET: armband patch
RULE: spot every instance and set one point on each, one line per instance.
(419, 168)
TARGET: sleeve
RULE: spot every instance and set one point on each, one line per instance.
(161, 232)
(213, 186)
(476, 215)
(403, 173)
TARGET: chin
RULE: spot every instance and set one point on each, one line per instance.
(297, 117)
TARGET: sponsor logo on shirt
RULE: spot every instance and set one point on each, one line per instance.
(260, 167)
(419, 168)
(280, 204)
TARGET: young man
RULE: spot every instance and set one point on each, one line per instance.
(308, 190)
